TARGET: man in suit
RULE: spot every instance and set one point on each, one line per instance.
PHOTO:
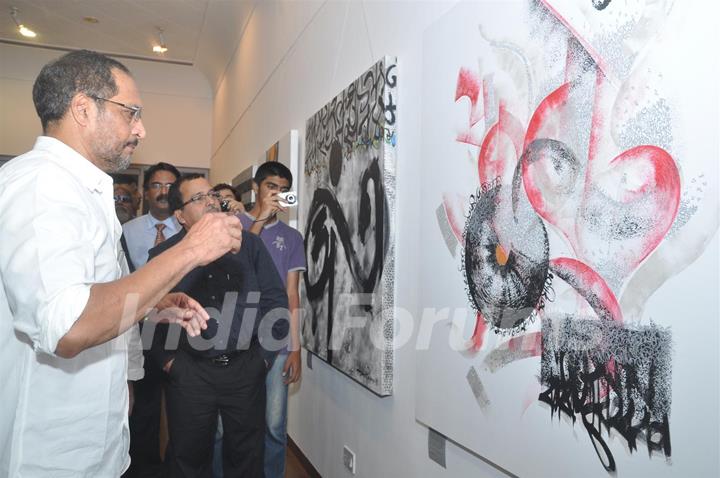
(223, 370)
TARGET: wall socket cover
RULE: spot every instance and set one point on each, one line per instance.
(349, 459)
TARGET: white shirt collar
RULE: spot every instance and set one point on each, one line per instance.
(86, 172)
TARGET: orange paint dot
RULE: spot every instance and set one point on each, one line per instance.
(500, 255)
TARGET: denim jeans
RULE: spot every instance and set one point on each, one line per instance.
(276, 422)
(276, 419)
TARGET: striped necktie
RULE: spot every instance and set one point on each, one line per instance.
(159, 237)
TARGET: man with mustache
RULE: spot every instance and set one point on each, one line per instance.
(142, 234)
(66, 302)
(223, 370)
(145, 232)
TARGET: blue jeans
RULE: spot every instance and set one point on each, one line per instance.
(276, 424)
(276, 419)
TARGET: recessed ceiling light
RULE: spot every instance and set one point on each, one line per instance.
(24, 31)
(91, 20)
(161, 48)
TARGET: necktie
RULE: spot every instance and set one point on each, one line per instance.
(159, 237)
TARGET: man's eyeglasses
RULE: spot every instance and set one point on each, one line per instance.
(123, 198)
(135, 111)
(159, 186)
(203, 197)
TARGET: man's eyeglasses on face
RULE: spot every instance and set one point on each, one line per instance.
(213, 195)
(159, 186)
(135, 111)
(122, 198)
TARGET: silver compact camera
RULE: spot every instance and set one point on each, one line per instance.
(288, 199)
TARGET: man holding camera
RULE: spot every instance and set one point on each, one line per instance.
(285, 245)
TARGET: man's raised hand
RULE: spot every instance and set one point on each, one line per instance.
(179, 308)
(214, 235)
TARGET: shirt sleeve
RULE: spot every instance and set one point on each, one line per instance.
(136, 360)
(50, 256)
(296, 261)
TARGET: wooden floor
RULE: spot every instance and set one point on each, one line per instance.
(294, 467)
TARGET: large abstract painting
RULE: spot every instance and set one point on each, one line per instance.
(348, 204)
(571, 168)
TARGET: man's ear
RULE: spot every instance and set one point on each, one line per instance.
(255, 187)
(179, 216)
(80, 108)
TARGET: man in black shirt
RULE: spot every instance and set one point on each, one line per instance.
(223, 370)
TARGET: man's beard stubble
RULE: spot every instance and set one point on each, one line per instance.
(117, 161)
(108, 150)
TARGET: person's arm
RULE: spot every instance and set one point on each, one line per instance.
(292, 369)
(115, 306)
(270, 205)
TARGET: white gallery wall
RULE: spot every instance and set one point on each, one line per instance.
(293, 57)
(177, 107)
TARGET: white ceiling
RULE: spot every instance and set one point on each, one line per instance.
(202, 33)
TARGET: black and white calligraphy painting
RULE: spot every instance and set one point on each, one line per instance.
(348, 205)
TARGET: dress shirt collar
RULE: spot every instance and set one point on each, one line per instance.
(170, 223)
(86, 172)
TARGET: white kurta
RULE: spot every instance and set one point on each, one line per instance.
(58, 236)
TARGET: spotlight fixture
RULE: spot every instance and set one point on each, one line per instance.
(161, 48)
(24, 31)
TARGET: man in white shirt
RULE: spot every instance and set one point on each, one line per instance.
(64, 304)
(147, 231)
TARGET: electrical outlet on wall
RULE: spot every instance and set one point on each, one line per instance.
(349, 459)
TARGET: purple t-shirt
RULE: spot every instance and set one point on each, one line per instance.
(284, 244)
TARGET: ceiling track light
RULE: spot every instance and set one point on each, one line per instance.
(24, 31)
(161, 48)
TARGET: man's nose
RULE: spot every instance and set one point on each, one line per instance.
(139, 129)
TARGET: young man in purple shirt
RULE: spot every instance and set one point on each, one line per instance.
(286, 248)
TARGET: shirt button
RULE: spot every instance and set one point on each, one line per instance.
(212, 297)
(209, 276)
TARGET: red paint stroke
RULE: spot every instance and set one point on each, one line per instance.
(597, 120)
(531, 343)
(487, 85)
(469, 86)
(590, 285)
(505, 135)
(478, 336)
(652, 172)
(455, 212)
(541, 123)
(662, 185)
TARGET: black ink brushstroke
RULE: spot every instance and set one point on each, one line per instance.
(600, 4)
(581, 358)
(325, 206)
